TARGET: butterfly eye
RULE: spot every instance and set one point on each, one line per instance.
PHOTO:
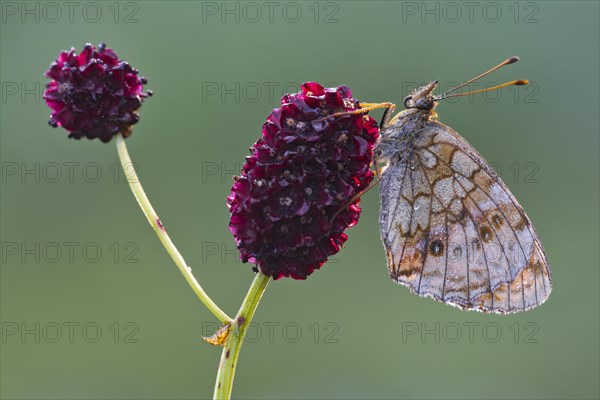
(378, 152)
(406, 100)
(424, 103)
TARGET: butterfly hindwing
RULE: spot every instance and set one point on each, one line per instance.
(454, 232)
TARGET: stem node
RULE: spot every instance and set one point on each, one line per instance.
(233, 344)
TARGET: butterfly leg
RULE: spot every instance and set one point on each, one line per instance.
(356, 197)
(365, 190)
(387, 113)
(365, 108)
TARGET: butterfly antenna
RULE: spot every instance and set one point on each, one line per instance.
(519, 82)
(508, 61)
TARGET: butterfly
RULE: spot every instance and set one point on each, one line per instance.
(451, 229)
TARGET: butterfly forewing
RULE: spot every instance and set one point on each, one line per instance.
(453, 231)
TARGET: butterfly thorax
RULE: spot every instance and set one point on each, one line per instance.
(396, 139)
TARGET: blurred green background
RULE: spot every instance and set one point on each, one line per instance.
(113, 318)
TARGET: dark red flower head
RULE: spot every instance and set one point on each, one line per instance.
(290, 206)
(94, 94)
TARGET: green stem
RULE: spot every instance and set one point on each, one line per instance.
(231, 350)
(160, 230)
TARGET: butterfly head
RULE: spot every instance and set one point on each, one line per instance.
(422, 98)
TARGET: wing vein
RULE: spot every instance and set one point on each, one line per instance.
(484, 257)
(504, 216)
(446, 262)
(501, 246)
(428, 222)
(409, 225)
(410, 220)
(467, 251)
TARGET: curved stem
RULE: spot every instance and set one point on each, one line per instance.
(148, 210)
(233, 345)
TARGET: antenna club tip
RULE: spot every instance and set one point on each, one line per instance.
(513, 59)
(522, 82)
